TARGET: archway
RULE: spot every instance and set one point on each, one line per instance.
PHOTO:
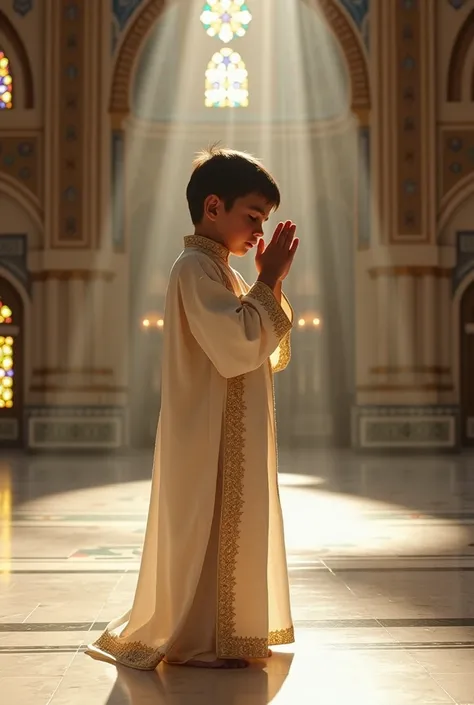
(22, 64)
(466, 381)
(143, 23)
(335, 128)
(458, 58)
(12, 367)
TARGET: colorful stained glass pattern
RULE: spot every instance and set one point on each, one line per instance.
(6, 360)
(226, 19)
(6, 83)
(226, 81)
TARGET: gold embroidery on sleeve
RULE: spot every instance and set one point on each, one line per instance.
(264, 295)
(284, 353)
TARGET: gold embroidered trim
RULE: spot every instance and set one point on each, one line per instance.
(207, 245)
(282, 636)
(264, 295)
(232, 507)
(229, 645)
(135, 654)
(284, 356)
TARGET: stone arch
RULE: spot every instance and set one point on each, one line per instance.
(337, 19)
(455, 330)
(18, 192)
(457, 61)
(453, 200)
(22, 65)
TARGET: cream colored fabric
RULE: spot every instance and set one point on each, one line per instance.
(215, 467)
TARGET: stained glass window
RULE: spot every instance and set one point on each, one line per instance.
(226, 81)
(6, 360)
(6, 84)
(226, 19)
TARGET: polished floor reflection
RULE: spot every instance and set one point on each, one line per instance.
(381, 556)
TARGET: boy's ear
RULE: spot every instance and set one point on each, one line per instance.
(212, 205)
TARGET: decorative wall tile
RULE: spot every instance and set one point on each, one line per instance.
(19, 159)
(458, 157)
(408, 118)
(72, 106)
(22, 7)
(410, 433)
(75, 427)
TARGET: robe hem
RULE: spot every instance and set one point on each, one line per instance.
(254, 647)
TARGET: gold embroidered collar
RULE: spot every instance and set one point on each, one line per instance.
(207, 245)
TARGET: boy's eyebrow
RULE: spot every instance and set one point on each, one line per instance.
(258, 209)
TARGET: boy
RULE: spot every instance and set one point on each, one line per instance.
(213, 584)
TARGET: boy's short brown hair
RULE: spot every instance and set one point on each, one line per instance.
(228, 174)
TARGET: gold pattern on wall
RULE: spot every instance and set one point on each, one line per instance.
(19, 158)
(72, 103)
(458, 157)
(408, 120)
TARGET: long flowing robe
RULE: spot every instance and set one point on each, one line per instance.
(213, 579)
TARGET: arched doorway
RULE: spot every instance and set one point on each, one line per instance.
(272, 133)
(467, 367)
(11, 366)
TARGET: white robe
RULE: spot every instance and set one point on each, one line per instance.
(213, 579)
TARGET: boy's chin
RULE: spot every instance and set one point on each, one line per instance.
(241, 251)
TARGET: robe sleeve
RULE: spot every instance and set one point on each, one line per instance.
(237, 334)
(281, 357)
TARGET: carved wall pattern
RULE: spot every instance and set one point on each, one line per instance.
(72, 105)
(19, 158)
(408, 119)
(457, 157)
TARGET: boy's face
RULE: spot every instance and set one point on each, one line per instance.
(242, 227)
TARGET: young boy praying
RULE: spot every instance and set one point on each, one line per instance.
(212, 589)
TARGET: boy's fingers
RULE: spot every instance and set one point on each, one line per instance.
(260, 246)
(294, 246)
(277, 232)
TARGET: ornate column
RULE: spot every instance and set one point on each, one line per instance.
(399, 402)
(405, 323)
(75, 404)
(430, 358)
(75, 325)
(52, 324)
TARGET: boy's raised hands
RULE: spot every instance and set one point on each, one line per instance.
(274, 261)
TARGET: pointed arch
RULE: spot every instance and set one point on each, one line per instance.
(21, 69)
(457, 61)
(336, 17)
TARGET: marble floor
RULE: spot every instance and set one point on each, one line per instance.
(381, 559)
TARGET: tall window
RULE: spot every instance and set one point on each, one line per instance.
(226, 81)
(6, 83)
(226, 74)
(6, 358)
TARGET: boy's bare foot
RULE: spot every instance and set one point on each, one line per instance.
(224, 663)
